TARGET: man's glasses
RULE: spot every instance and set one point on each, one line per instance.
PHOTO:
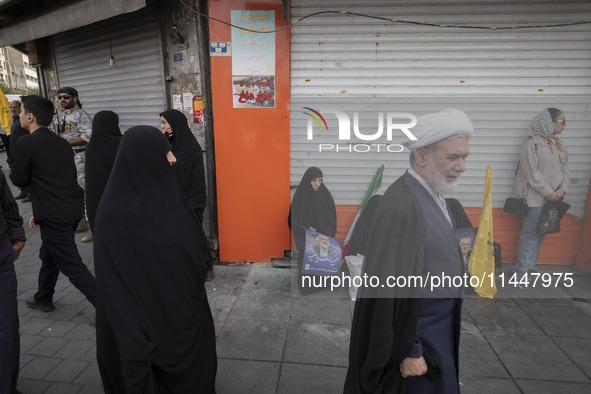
(64, 97)
(563, 121)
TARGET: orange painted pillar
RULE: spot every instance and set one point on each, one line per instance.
(251, 148)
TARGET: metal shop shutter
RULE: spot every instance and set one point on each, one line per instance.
(134, 87)
(500, 78)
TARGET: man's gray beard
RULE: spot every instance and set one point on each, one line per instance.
(444, 187)
(437, 180)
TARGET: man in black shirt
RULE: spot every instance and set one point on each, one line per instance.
(45, 162)
(16, 132)
(12, 240)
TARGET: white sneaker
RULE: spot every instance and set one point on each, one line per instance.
(87, 238)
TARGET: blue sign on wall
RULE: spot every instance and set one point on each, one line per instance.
(220, 48)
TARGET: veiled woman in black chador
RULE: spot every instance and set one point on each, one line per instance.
(312, 208)
(154, 327)
(189, 169)
(100, 156)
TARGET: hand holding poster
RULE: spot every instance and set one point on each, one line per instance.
(322, 255)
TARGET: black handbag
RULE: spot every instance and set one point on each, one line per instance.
(516, 206)
(498, 259)
(551, 215)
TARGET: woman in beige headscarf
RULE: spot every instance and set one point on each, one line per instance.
(542, 175)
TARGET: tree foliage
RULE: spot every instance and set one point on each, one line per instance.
(23, 91)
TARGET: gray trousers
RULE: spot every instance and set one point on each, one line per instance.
(79, 160)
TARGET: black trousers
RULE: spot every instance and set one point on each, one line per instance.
(9, 336)
(59, 253)
(25, 190)
(5, 141)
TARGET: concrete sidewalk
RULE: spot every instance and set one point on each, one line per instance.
(271, 340)
(277, 341)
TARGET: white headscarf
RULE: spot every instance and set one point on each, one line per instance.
(542, 124)
(435, 127)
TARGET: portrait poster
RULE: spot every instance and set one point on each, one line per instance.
(322, 255)
(466, 237)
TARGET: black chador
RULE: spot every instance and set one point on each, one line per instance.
(311, 209)
(100, 156)
(189, 169)
(155, 331)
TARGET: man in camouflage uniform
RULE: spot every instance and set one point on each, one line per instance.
(74, 125)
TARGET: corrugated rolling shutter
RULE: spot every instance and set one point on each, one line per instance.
(134, 87)
(47, 21)
(500, 78)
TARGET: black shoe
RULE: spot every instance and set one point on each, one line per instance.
(210, 276)
(21, 196)
(32, 303)
(27, 199)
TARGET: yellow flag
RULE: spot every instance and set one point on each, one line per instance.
(5, 115)
(482, 259)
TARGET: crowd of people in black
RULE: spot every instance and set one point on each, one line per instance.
(154, 326)
(143, 193)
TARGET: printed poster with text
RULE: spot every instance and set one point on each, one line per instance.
(322, 255)
(253, 59)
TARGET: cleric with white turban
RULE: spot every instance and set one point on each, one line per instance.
(406, 339)
(434, 127)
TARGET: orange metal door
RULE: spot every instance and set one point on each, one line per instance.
(251, 149)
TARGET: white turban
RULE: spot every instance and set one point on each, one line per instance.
(432, 128)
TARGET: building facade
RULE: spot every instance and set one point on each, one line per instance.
(16, 71)
(501, 62)
(373, 63)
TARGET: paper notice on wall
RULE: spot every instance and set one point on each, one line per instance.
(187, 101)
(176, 102)
(253, 92)
(253, 47)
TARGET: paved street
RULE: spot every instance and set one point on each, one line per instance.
(270, 340)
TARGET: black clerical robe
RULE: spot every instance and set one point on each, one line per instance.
(386, 319)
